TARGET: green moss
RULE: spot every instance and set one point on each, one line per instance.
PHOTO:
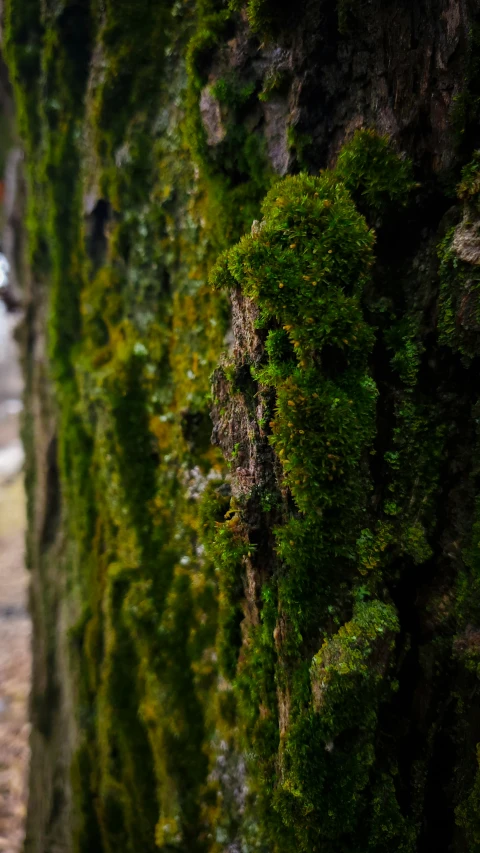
(306, 267)
(372, 545)
(132, 39)
(86, 832)
(418, 445)
(374, 173)
(469, 186)
(321, 775)
(345, 664)
(275, 82)
(403, 340)
(390, 830)
(171, 709)
(235, 170)
(348, 680)
(184, 669)
(226, 547)
(312, 255)
(419, 439)
(329, 748)
(266, 17)
(311, 234)
(132, 343)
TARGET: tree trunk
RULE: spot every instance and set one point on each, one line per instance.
(266, 637)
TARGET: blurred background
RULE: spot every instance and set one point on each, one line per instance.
(15, 628)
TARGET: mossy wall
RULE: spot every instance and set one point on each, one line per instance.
(265, 637)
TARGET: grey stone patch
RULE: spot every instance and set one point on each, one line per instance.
(12, 611)
(10, 407)
(466, 242)
(230, 772)
(276, 126)
(196, 482)
(211, 114)
(122, 155)
(90, 199)
(257, 227)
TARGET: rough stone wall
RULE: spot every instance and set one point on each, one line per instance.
(265, 638)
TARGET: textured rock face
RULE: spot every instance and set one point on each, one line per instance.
(211, 117)
(265, 637)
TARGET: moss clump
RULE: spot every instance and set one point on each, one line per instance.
(469, 186)
(226, 548)
(311, 236)
(311, 434)
(348, 681)
(330, 747)
(418, 445)
(354, 659)
(306, 266)
(372, 171)
(403, 340)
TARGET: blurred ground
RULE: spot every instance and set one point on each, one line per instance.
(15, 630)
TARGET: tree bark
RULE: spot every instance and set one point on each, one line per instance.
(265, 637)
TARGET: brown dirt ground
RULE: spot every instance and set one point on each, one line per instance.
(15, 665)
